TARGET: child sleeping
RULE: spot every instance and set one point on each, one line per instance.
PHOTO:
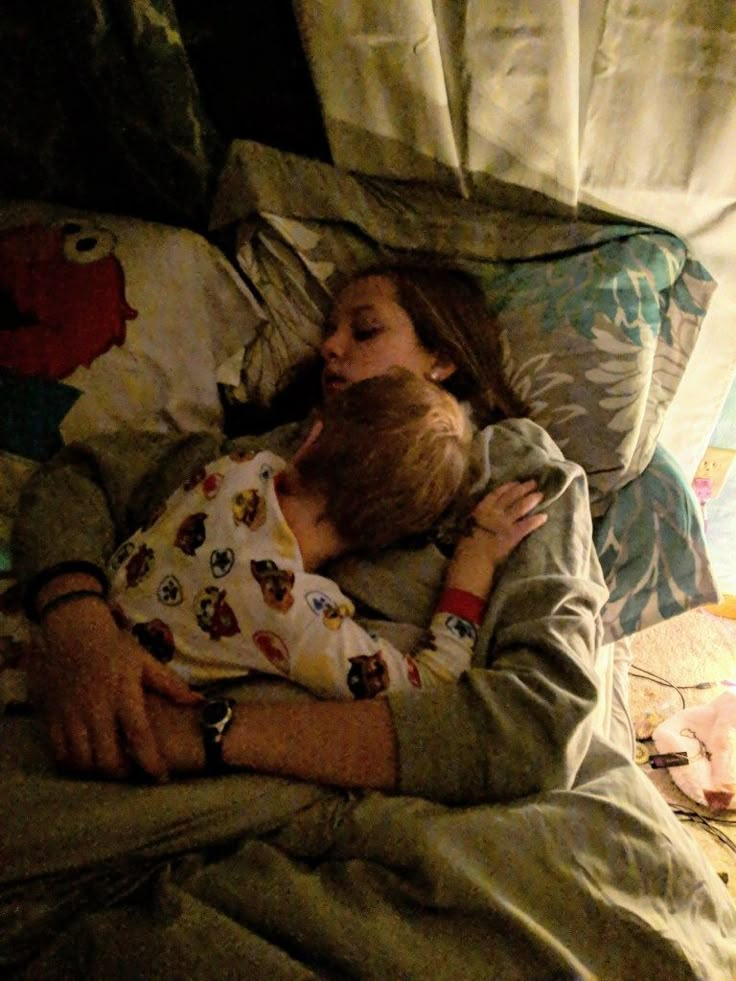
(223, 581)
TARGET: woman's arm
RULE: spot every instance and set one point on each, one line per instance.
(345, 744)
(79, 506)
(520, 720)
(127, 712)
(323, 649)
(88, 677)
(499, 522)
(348, 744)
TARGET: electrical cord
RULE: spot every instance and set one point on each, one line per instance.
(709, 823)
(685, 813)
(646, 675)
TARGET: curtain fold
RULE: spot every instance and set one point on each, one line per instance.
(379, 69)
(551, 97)
(466, 93)
(662, 108)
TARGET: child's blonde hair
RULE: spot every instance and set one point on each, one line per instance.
(392, 456)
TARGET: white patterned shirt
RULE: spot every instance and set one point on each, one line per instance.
(215, 585)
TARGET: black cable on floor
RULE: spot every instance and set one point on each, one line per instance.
(684, 813)
(646, 675)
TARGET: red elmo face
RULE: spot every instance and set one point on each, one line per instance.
(62, 298)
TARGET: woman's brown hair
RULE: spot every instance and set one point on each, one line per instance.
(451, 318)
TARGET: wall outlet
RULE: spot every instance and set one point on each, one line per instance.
(714, 467)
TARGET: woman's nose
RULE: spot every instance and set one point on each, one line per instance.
(332, 346)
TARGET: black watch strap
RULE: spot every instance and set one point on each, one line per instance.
(216, 718)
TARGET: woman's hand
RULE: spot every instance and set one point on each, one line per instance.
(497, 524)
(89, 682)
(178, 733)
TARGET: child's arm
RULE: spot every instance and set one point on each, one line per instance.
(496, 526)
(318, 645)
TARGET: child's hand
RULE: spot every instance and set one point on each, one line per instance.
(502, 519)
(496, 526)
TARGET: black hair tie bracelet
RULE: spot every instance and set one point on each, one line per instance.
(70, 597)
(45, 576)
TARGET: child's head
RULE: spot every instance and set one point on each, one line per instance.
(392, 456)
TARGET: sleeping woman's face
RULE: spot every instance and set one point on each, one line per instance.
(367, 333)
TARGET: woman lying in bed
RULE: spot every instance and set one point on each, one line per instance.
(518, 722)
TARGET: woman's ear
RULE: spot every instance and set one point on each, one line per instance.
(442, 368)
(311, 439)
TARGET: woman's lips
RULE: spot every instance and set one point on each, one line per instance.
(333, 382)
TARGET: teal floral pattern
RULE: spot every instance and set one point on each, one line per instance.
(653, 552)
(595, 343)
(597, 325)
(629, 271)
(596, 321)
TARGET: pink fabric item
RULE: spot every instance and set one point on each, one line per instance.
(703, 487)
(707, 733)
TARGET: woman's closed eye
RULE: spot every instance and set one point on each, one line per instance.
(358, 331)
(364, 332)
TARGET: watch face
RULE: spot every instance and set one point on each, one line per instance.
(216, 712)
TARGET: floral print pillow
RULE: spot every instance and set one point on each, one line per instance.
(595, 344)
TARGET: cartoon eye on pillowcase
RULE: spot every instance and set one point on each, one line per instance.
(62, 297)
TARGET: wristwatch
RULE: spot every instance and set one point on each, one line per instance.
(217, 714)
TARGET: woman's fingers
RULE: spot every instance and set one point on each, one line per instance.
(105, 730)
(523, 505)
(157, 677)
(57, 738)
(506, 495)
(67, 735)
(504, 517)
(79, 754)
(110, 757)
(108, 747)
(513, 489)
(529, 524)
(87, 742)
(140, 740)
